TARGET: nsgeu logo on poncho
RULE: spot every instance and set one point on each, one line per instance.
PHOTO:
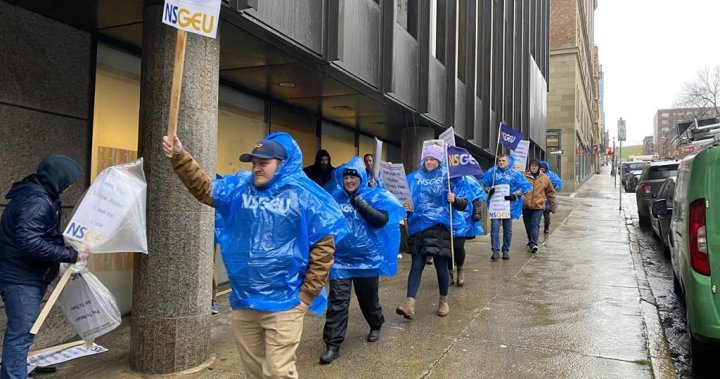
(276, 205)
(429, 182)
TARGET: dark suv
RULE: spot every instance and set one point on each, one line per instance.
(651, 179)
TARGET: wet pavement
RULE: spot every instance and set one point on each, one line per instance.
(660, 279)
(581, 307)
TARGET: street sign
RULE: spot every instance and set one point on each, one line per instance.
(556, 152)
(621, 130)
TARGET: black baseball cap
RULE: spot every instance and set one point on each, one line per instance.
(265, 149)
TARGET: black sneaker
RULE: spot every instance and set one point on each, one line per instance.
(506, 256)
(534, 249)
(494, 256)
(547, 230)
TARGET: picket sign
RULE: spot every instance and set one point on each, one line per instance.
(51, 301)
(194, 16)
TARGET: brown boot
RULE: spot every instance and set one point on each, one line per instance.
(443, 307)
(408, 309)
(460, 276)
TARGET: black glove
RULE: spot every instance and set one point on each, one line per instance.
(491, 192)
(477, 210)
(511, 197)
(376, 218)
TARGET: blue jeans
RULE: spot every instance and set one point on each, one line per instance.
(495, 234)
(418, 265)
(531, 218)
(22, 306)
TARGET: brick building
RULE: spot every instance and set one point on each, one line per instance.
(664, 126)
(573, 102)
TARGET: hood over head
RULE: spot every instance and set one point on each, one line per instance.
(57, 172)
(354, 166)
(320, 154)
(546, 164)
(293, 164)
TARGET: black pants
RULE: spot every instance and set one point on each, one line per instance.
(546, 217)
(336, 317)
(459, 245)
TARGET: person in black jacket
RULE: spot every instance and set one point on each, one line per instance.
(322, 170)
(31, 250)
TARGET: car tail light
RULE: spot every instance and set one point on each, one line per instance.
(698, 238)
(645, 188)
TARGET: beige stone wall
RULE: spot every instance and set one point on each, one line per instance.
(562, 112)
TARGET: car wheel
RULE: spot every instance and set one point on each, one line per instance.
(644, 220)
(701, 357)
(666, 247)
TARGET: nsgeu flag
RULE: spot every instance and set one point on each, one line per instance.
(509, 137)
(462, 163)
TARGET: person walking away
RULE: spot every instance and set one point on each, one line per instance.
(466, 229)
(369, 160)
(503, 173)
(277, 235)
(31, 250)
(368, 251)
(320, 172)
(429, 227)
(557, 184)
(534, 203)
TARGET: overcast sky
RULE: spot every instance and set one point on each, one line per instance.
(647, 49)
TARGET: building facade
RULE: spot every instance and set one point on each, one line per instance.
(92, 80)
(665, 127)
(573, 101)
(649, 145)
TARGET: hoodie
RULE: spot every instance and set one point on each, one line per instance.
(31, 243)
(316, 172)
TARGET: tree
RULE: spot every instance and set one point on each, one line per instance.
(702, 94)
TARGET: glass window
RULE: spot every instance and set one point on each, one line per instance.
(301, 127)
(240, 125)
(339, 142)
(437, 31)
(406, 15)
(662, 172)
(462, 40)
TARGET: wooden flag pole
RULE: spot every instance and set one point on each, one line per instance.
(176, 84)
(51, 301)
(452, 240)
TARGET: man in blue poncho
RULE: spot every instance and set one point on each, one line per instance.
(277, 230)
(368, 251)
(503, 173)
(369, 160)
(558, 184)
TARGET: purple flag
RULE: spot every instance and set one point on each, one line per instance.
(462, 163)
(509, 137)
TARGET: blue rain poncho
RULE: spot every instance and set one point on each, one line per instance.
(469, 228)
(366, 251)
(518, 185)
(266, 233)
(556, 182)
(429, 190)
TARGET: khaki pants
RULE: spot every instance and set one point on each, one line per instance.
(267, 341)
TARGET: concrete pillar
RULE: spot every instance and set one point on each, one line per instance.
(411, 141)
(171, 285)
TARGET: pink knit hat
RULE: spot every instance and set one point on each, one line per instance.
(434, 151)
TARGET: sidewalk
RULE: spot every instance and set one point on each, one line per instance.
(573, 310)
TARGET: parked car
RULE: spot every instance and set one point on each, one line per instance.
(633, 178)
(661, 225)
(695, 248)
(651, 179)
(628, 169)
